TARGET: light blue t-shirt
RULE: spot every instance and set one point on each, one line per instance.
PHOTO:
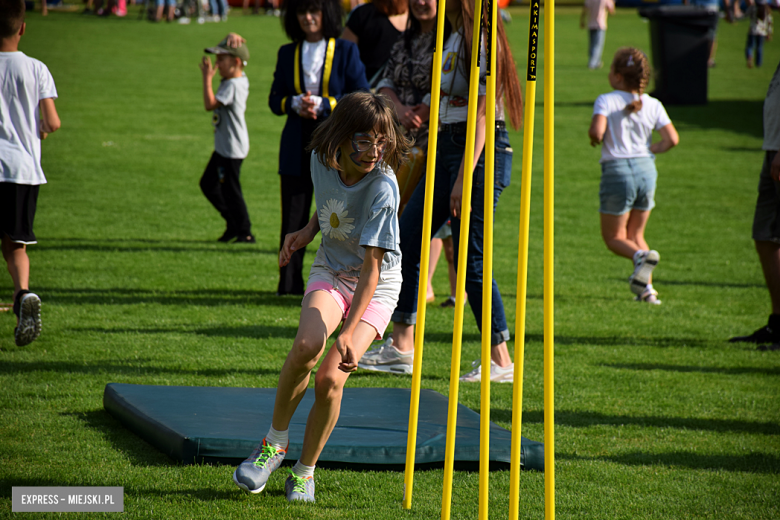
(354, 217)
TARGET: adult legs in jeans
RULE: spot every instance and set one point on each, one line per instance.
(596, 48)
(450, 154)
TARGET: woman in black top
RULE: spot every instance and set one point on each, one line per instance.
(375, 27)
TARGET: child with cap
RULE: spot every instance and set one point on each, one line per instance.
(28, 115)
(220, 182)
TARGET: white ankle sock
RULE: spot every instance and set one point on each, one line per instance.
(302, 470)
(277, 439)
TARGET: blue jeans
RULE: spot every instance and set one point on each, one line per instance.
(449, 155)
(596, 47)
(757, 41)
(218, 7)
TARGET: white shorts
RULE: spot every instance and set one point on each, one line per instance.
(342, 288)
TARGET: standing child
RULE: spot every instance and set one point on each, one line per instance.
(355, 279)
(27, 115)
(596, 13)
(220, 182)
(624, 120)
(760, 29)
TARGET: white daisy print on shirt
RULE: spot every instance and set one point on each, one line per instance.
(334, 221)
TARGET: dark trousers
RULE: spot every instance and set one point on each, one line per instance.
(220, 184)
(297, 192)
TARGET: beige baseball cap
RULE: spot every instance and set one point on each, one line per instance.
(223, 48)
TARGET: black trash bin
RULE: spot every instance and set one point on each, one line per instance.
(680, 37)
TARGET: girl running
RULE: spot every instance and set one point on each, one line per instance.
(624, 120)
(355, 279)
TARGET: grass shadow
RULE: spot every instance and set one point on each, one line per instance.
(205, 297)
(247, 331)
(719, 115)
(118, 370)
(612, 341)
(587, 419)
(763, 463)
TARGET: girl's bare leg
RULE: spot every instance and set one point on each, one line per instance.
(615, 235)
(635, 230)
(449, 254)
(18, 263)
(328, 389)
(320, 315)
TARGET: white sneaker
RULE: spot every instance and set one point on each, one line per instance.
(386, 358)
(643, 268)
(497, 374)
(648, 296)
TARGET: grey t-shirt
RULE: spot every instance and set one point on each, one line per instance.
(230, 136)
(364, 214)
(772, 114)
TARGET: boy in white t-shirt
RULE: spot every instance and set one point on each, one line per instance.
(624, 120)
(27, 115)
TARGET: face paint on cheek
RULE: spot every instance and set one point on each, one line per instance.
(355, 155)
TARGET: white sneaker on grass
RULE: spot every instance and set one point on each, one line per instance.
(497, 374)
(387, 358)
(649, 295)
(644, 264)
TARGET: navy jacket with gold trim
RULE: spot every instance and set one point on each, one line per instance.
(342, 73)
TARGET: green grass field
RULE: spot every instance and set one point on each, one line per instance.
(656, 415)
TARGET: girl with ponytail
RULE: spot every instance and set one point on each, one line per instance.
(623, 123)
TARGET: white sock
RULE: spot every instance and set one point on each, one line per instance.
(302, 470)
(277, 439)
(649, 287)
(638, 255)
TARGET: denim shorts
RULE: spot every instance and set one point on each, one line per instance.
(627, 184)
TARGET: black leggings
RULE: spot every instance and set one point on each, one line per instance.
(220, 184)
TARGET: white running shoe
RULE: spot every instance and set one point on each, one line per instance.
(386, 358)
(643, 268)
(648, 296)
(497, 374)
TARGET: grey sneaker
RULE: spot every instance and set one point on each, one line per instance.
(299, 489)
(643, 268)
(252, 474)
(497, 374)
(28, 308)
(386, 358)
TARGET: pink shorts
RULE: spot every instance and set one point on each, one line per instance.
(342, 289)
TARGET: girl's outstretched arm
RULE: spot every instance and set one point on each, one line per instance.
(369, 278)
(295, 241)
(598, 127)
(669, 139)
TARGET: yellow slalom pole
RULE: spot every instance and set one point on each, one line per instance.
(549, 252)
(460, 286)
(433, 125)
(487, 257)
(522, 260)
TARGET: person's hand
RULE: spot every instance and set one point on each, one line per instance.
(456, 198)
(344, 346)
(207, 67)
(308, 107)
(235, 40)
(407, 117)
(292, 243)
(594, 141)
(774, 168)
(422, 111)
(44, 135)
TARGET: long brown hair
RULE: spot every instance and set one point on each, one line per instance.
(633, 65)
(360, 112)
(507, 84)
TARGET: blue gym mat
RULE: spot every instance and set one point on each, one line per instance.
(195, 424)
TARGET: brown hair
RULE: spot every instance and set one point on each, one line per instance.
(391, 7)
(11, 17)
(634, 67)
(360, 112)
(507, 84)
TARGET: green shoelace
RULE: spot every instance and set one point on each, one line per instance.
(299, 485)
(268, 452)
